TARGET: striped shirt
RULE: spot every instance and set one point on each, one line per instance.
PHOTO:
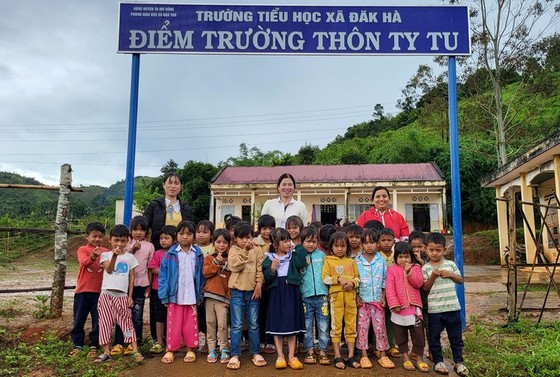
(442, 296)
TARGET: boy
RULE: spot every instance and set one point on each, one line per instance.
(88, 288)
(354, 233)
(265, 225)
(245, 284)
(116, 293)
(440, 277)
(418, 242)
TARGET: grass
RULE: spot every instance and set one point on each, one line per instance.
(521, 349)
(50, 356)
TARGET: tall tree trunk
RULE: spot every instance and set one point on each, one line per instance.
(500, 126)
(61, 242)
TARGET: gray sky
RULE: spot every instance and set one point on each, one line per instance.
(64, 95)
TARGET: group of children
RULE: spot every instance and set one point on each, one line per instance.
(297, 284)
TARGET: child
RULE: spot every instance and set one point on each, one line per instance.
(294, 225)
(116, 293)
(245, 284)
(216, 297)
(404, 281)
(371, 300)
(315, 299)
(325, 234)
(265, 225)
(386, 243)
(180, 288)
(341, 275)
(230, 222)
(158, 312)
(143, 251)
(418, 242)
(354, 233)
(88, 288)
(204, 231)
(440, 277)
(282, 272)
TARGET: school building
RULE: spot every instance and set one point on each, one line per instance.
(332, 192)
(532, 183)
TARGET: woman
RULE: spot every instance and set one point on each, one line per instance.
(285, 205)
(169, 210)
(381, 212)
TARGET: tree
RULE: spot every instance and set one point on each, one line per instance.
(503, 33)
(255, 157)
(306, 154)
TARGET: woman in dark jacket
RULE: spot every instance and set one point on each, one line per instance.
(169, 210)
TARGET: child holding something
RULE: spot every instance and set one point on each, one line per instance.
(158, 311)
(88, 288)
(371, 300)
(181, 290)
(282, 272)
(216, 297)
(245, 285)
(440, 277)
(340, 273)
(143, 251)
(404, 281)
(315, 296)
(116, 300)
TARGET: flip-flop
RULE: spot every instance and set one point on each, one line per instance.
(339, 360)
(102, 358)
(440, 368)
(407, 365)
(423, 367)
(461, 370)
(168, 358)
(233, 363)
(190, 357)
(258, 360)
(352, 362)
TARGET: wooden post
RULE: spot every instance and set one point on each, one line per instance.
(512, 262)
(61, 241)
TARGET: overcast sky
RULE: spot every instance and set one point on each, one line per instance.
(64, 95)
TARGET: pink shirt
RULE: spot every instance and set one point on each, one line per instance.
(143, 256)
(155, 263)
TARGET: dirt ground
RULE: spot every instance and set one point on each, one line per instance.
(486, 299)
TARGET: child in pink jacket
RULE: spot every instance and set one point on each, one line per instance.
(402, 289)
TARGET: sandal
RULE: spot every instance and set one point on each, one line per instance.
(295, 364)
(117, 350)
(461, 370)
(190, 357)
(212, 357)
(365, 363)
(393, 352)
(337, 363)
(137, 356)
(280, 363)
(92, 353)
(352, 362)
(224, 356)
(102, 358)
(269, 349)
(168, 358)
(385, 362)
(233, 363)
(407, 365)
(156, 349)
(310, 358)
(423, 367)
(440, 368)
(75, 352)
(258, 360)
(129, 350)
(324, 359)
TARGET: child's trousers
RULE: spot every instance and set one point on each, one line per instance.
(182, 326)
(451, 322)
(114, 310)
(85, 304)
(216, 323)
(372, 313)
(416, 334)
(343, 305)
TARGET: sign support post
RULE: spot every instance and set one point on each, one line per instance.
(131, 149)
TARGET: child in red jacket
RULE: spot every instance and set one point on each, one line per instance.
(402, 288)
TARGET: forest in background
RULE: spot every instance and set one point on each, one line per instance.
(419, 133)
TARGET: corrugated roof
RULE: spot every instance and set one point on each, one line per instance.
(330, 173)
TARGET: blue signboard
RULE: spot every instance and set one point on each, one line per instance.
(300, 30)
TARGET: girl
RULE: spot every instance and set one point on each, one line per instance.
(341, 275)
(180, 288)
(158, 312)
(294, 225)
(143, 251)
(216, 296)
(282, 272)
(371, 300)
(404, 280)
(315, 298)
(203, 239)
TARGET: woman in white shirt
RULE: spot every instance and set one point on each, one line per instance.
(285, 205)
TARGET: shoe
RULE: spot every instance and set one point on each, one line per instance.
(258, 360)
(393, 352)
(190, 357)
(212, 357)
(324, 359)
(365, 363)
(224, 356)
(461, 370)
(75, 352)
(168, 358)
(407, 365)
(233, 363)
(295, 364)
(92, 353)
(280, 363)
(102, 358)
(440, 368)
(117, 350)
(129, 350)
(385, 362)
(269, 349)
(423, 367)
(156, 349)
(310, 358)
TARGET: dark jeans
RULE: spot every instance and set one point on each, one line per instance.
(85, 304)
(451, 322)
(137, 316)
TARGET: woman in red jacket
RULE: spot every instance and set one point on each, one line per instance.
(402, 291)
